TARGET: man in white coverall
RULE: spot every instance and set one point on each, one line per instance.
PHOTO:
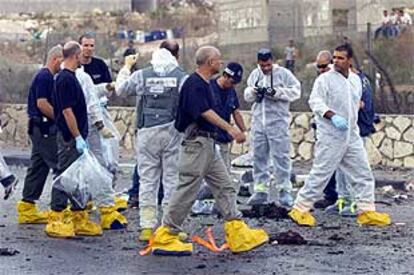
(110, 217)
(335, 101)
(7, 179)
(157, 87)
(272, 88)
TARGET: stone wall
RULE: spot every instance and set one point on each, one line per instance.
(391, 145)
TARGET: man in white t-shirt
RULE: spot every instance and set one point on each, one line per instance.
(290, 53)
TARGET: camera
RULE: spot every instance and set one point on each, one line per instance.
(262, 92)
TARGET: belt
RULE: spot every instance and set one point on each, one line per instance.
(36, 120)
(206, 134)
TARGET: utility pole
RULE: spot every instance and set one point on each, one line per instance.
(371, 68)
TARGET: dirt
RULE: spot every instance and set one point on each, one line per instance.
(337, 245)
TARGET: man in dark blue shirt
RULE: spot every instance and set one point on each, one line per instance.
(92, 65)
(226, 106)
(42, 133)
(198, 160)
(71, 119)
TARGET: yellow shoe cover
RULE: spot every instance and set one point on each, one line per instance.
(374, 218)
(120, 204)
(28, 213)
(302, 218)
(166, 244)
(112, 219)
(58, 226)
(241, 238)
(145, 234)
(83, 226)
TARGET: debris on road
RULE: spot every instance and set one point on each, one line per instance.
(269, 211)
(5, 251)
(289, 237)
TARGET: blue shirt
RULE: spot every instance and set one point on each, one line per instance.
(226, 103)
(68, 94)
(41, 87)
(196, 98)
(98, 70)
(366, 115)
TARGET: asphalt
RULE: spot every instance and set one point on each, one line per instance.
(337, 245)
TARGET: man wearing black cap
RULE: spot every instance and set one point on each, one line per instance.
(227, 105)
(271, 88)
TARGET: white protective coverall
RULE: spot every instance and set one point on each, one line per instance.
(157, 146)
(4, 168)
(270, 126)
(336, 149)
(94, 139)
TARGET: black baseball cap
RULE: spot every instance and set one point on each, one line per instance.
(264, 54)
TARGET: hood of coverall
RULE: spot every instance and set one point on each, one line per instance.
(163, 62)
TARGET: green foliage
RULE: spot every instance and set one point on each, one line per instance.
(397, 56)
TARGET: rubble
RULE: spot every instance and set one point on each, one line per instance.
(269, 211)
(6, 251)
(287, 238)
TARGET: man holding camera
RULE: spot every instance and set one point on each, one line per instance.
(271, 88)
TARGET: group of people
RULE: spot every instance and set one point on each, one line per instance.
(183, 137)
(66, 110)
(393, 23)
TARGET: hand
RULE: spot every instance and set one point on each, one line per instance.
(103, 102)
(237, 135)
(110, 87)
(130, 60)
(339, 122)
(106, 133)
(81, 144)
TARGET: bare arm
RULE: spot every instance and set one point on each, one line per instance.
(238, 119)
(215, 119)
(45, 107)
(71, 122)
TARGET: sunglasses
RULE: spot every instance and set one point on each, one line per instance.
(322, 66)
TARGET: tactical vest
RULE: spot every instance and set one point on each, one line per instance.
(159, 102)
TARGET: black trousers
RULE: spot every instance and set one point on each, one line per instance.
(330, 190)
(42, 159)
(67, 154)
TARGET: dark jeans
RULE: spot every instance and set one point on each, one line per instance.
(387, 31)
(67, 154)
(42, 159)
(290, 65)
(330, 190)
(134, 190)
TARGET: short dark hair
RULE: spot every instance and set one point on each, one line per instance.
(87, 35)
(172, 46)
(346, 48)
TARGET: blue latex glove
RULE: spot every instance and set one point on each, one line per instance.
(339, 122)
(81, 144)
